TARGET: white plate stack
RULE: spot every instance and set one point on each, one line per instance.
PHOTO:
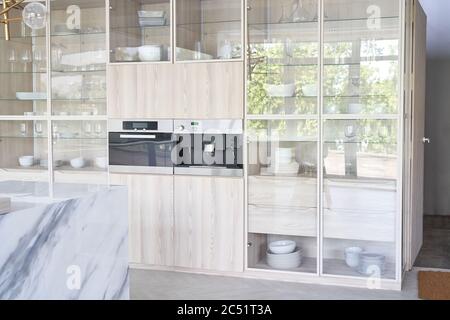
(283, 163)
(5, 205)
(284, 255)
(151, 18)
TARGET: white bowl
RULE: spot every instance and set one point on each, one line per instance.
(127, 54)
(101, 162)
(352, 256)
(282, 247)
(150, 53)
(78, 163)
(26, 161)
(281, 90)
(372, 264)
(310, 90)
(285, 261)
(31, 95)
(355, 108)
(151, 14)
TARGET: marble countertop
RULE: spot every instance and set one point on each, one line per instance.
(25, 194)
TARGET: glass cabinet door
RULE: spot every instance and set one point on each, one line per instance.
(23, 101)
(208, 29)
(140, 30)
(282, 125)
(78, 100)
(361, 100)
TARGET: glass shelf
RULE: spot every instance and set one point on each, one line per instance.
(208, 30)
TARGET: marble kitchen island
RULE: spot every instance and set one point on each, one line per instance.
(73, 245)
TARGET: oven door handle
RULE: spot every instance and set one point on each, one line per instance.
(137, 136)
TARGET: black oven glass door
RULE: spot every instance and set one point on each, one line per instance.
(140, 149)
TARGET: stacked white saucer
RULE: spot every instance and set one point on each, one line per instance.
(284, 254)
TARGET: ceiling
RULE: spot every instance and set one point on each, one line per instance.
(438, 13)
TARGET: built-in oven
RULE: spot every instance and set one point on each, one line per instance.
(209, 147)
(141, 146)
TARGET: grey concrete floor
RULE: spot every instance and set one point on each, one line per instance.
(160, 285)
(435, 252)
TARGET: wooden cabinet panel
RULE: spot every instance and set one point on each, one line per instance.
(209, 223)
(180, 91)
(140, 91)
(150, 202)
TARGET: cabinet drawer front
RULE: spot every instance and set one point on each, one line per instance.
(282, 221)
(283, 192)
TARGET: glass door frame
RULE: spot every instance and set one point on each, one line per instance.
(399, 117)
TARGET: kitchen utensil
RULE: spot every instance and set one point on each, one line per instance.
(285, 261)
(309, 90)
(282, 247)
(280, 90)
(128, 54)
(352, 256)
(150, 53)
(78, 163)
(26, 161)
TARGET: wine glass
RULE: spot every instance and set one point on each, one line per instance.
(23, 129)
(12, 59)
(38, 128)
(26, 58)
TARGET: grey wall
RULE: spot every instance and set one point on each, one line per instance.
(437, 128)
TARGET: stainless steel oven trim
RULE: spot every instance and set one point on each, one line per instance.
(141, 170)
(220, 172)
(137, 136)
(116, 125)
(208, 127)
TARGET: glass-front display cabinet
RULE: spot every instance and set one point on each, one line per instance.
(140, 30)
(324, 123)
(53, 93)
(199, 30)
(23, 99)
(78, 90)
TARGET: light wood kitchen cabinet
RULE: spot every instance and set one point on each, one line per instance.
(180, 91)
(150, 206)
(209, 223)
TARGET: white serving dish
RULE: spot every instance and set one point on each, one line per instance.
(150, 53)
(281, 90)
(78, 163)
(355, 108)
(285, 261)
(152, 22)
(31, 95)
(101, 162)
(44, 163)
(282, 247)
(127, 54)
(309, 90)
(151, 14)
(352, 256)
(26, 161)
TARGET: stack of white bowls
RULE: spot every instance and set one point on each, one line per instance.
(284, 162)
(284, 254)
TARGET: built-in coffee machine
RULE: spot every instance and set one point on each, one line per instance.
(208, 147)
